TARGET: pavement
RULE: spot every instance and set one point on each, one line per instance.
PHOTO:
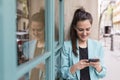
(112, 58)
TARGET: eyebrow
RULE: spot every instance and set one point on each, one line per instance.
(82, 28)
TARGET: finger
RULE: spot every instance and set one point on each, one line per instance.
(85, 60)
(94, 62)
(85, 64)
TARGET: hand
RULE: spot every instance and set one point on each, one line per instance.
(80, 65)
(96, 65)
(41, 66)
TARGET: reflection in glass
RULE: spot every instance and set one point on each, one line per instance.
(22, 24)
(57, 26)
(57, 20)
(30, 36)
(35, 46)
(38, 73)
(24, 77)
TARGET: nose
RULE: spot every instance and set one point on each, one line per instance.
(84, 32)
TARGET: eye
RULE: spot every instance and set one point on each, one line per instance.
(79, 29)
(88, 29)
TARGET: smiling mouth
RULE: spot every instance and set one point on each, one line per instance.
(83, 36)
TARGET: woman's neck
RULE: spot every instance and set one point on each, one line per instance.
(40, 43)
(82, 44)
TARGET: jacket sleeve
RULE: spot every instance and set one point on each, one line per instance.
(65, 63)
(26, 50)
(101, 56)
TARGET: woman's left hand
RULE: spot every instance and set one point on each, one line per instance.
(96, 65)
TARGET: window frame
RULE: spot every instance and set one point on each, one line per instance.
(8, 68)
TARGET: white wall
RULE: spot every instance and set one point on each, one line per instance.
(70, 6)
(90, 6)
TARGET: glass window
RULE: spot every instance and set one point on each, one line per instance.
(30, 29)
(22, 23)
(57, 22)
(30, 35)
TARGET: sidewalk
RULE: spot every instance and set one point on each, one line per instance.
(112, 58)
(116, 45)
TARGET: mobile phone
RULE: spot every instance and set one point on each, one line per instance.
(93, 60)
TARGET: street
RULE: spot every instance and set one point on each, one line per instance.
(112, 58)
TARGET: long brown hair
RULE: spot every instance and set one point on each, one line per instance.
(79, 15)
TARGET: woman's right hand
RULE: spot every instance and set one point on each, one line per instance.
(41, 66)
(80, 65)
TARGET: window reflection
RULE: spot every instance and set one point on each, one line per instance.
(57, 20)
(24, 77)
(22, 26)
(30, 36)
(35, 46)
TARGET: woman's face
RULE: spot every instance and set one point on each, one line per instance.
(83, 29)
(37, 29)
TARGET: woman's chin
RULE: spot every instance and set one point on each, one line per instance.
(84, 39)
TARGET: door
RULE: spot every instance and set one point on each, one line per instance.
(11, 40)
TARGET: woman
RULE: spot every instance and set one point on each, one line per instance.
(77, 52)
(35, 46)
